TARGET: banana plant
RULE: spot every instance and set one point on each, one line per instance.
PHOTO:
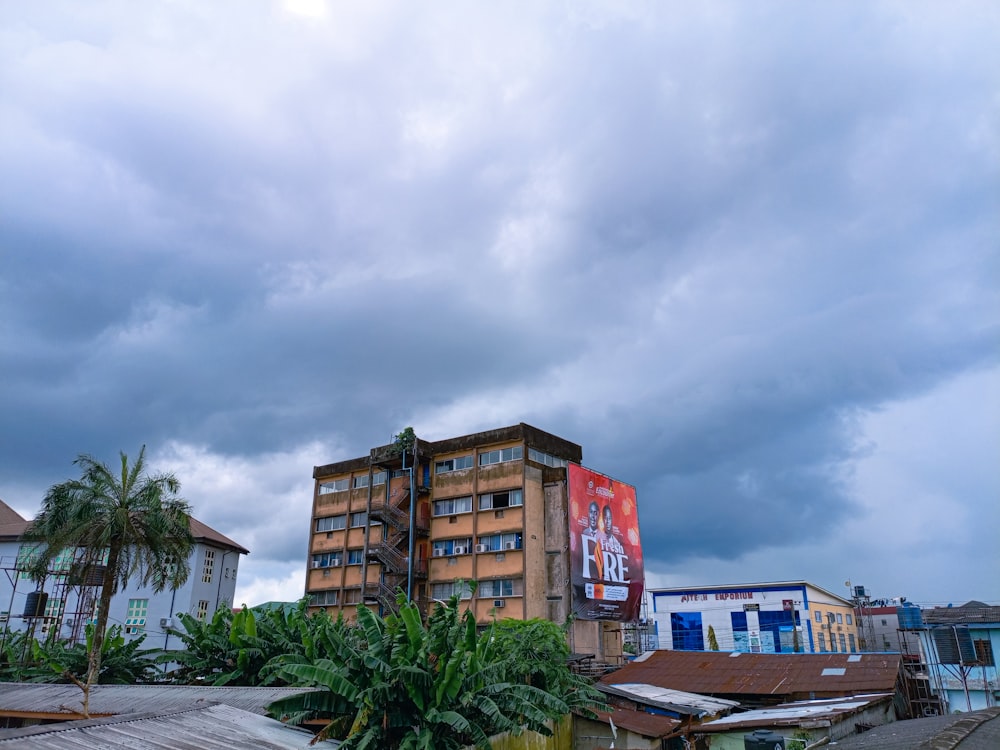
(395, 682)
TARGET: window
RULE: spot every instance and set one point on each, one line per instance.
(325, 598)
(840, 619)
(378, 478)
(202, 612)
(352, 596)
(984, 651)
(135, 617)
(450, 547)
(331, 523)
(821, 639)
(501, 500)
(500, 587)
(397, 473)
(850, 639)
(500, 456)
(850, 620)
(360, 482)
(328, 560)
(337, 485)
(355, 556)
(843, 643)
(359, 519)
(209, 566)
(452, 506)
(444, 591)
(819, 616)
(545, 458)
(53, 608)
(685, 627)
(499, 542)
(453, 464)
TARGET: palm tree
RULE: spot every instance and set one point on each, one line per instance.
(122, 527)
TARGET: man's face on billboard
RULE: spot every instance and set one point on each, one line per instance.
(592, 516)
(607, 520)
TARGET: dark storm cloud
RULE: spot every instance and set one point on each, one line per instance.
(702, 242)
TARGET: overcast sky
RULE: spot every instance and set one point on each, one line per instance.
(745, 254)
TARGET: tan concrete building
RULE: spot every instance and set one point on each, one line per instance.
(426, 519)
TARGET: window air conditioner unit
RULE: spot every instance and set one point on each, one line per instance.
(482, 548)
(166, 622)
(499, 603)
(510, 545)
(315, 563)
(335, 563)
(460, 550)
(439, 552)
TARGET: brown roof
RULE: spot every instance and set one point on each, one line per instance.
(767, 675)
(12, 525)
(640, 722)
(203, 531)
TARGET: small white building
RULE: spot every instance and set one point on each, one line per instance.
(770, 618)
(66, 602)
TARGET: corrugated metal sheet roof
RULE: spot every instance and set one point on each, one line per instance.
(672, 700)
(975, 730)
(793, 714)
(739, 674)
(215, 727)
(973, 613)
(27, 698)
(640, 722)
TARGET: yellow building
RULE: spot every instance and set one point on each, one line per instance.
(426, 519)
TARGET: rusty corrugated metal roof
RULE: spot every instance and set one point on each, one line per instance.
(213, 727)
(741, 674)
(640, 722)
(23, 699)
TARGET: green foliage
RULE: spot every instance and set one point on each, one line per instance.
(123, 661)
(405, 440)
(251, 647)
(713, 641)
(536, 652)
(394, 682)
(124, 525)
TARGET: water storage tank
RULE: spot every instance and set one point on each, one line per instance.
(34, 604)
(910, 616)
(763, 739)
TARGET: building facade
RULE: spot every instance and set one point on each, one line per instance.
(427, 518)
(64, 602)
(958, 648)
(781, 617)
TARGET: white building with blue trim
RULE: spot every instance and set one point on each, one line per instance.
(770, 618)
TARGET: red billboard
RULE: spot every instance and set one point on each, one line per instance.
(604, 548)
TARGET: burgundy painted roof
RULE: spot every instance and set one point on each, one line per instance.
(722, 673)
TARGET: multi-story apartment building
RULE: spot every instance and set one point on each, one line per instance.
(498, 508)
(781, 617)
(65, 600)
